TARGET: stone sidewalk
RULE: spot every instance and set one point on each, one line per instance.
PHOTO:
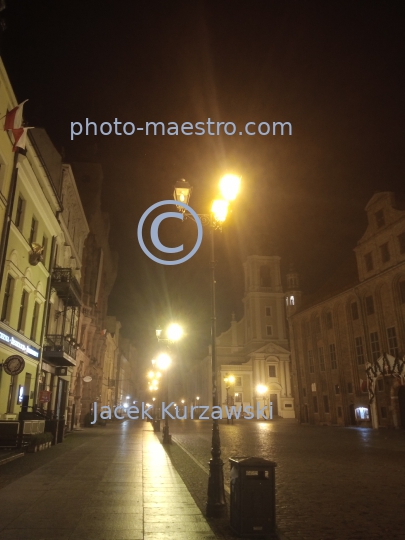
(118, 486)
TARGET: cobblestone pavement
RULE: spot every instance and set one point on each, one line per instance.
(332, 483)
(112, 483)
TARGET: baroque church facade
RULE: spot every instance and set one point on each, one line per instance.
(253, 357)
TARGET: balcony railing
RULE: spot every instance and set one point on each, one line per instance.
(59, 351)
(66, 286)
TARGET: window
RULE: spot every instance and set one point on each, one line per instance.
(238, 381)
(238, 397)
(304, 392)
(339, 412)
(332, 354)
(349, 388)
(269, 330)
(265, 276)
(23, 309)
(368, 259)
(317, 325)
(359, 350)
(321, 359)
(311, 362)
(383, 412)
(315, 402)
(329, 321)
(2, 173)
(291, 300)
(337, 389)
(392, 341)
(380, 385)
(401, 242)
(19, 213)
(355, 311)
(385, 252)
(5, 312)
(33, 230)
(402, 291)
(326, 403)
(375, 345)
(34, 324)
(268, 311)
(369, 305)
(379, 218)
(272, 371)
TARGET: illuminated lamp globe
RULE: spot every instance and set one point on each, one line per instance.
(220, 209)
(174, 332)
(163, 361)
(229, 186)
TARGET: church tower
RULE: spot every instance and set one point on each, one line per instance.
(293, 293)
(264, 301)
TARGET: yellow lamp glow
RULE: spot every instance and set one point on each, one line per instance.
(261, 389)
(174, 332)
(220, 209)
(163, 361)
(229, 186)
(151, 374)
(231, 379)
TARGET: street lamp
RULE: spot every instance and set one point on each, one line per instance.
(229, 187)
(174, 332)
(262, 390)
(228, 380)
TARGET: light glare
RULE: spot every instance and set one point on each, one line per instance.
(163, 361)
(174, 332)
(229, 186)
(220, 209)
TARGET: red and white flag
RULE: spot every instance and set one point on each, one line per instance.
(20, 138)
(14, 117)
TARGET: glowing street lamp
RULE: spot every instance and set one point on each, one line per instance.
(262, 391)
(228, 380)
(174, 332)
(229, 187)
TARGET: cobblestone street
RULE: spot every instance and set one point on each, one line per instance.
(332, 483)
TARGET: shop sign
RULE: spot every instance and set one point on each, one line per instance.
(19, 345)
(44, 396)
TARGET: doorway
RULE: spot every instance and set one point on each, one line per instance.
(306, 415)
(352, 415)
(273, 400)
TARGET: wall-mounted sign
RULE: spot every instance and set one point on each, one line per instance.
(18, 344)
(14, 365)
(44, 396)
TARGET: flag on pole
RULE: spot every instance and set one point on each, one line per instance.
(14, 117)
(20, 138)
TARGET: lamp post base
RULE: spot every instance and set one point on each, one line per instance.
(216, 505)
(167, 438)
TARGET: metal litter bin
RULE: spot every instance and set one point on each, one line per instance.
(253, 498)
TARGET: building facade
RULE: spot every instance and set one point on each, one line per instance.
(254, 350)
(348, 342)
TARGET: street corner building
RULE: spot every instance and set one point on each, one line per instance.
(348, 340)
(253, 356)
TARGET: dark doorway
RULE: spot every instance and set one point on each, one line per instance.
(306, 416)
(273, 400)
(401, 404)
(352, 415)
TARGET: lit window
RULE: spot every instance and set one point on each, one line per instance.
(238, 397)
(238, 381)
(291, 300)
(362, 413)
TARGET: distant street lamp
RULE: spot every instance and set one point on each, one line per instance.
(174, 332)
(228, 380)
(229, 187)
(262, 390)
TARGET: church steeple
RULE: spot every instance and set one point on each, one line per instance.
(293, 293)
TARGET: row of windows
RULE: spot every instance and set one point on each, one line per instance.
(385, 254)
(369, 308)
(337, 389)
(321, 356)
(33, 235)
(22, 314)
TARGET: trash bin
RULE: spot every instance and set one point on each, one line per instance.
(253, 499)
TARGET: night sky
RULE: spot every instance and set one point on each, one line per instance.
(334, 70)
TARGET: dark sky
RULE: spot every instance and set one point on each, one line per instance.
(335, 70)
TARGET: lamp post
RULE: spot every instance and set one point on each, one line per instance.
(174, 333)
(229, 187)
(262, 390)
(228, 380)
